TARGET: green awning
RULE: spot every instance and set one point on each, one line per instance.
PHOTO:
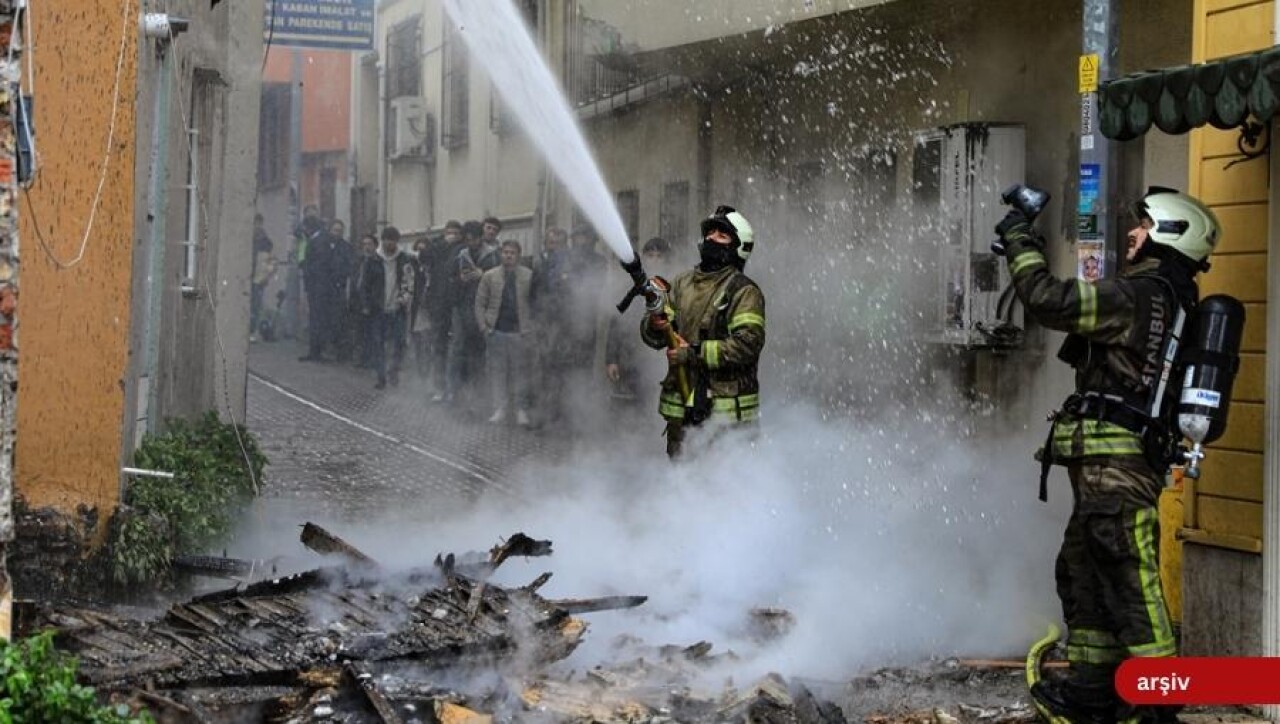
(1222, 93)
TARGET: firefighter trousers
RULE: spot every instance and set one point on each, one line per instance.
(1108, 571)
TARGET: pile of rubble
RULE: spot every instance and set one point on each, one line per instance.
(357, 643)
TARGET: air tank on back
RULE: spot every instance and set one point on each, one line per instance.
(1212, 359)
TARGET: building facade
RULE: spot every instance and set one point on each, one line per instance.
(432, 140)
(137, 306)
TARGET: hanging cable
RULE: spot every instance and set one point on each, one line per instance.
(106, 161)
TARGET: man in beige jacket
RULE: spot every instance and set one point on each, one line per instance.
(504, 313)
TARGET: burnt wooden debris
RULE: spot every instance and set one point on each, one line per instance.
(357, 642)
(267, 632)
(325, 543)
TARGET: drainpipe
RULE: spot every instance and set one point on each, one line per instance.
(1271, 454)
(383, 171)
(190, 272)
(161, 28)
(1098, 172)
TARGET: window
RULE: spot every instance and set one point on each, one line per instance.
(208, 92)
(273, 136)
(673, 213)
(328, 193)
(501, 120)
(629, 210)
(926, 175)
(456, 86)
(404, 58)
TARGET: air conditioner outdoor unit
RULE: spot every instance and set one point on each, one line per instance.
(958, 173)
(411, 128)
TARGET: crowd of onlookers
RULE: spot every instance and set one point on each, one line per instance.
(484, 325)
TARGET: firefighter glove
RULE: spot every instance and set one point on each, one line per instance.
(1015, 228)
(684, 354)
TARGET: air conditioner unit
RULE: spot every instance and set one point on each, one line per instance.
(410, 128)
(958, 173)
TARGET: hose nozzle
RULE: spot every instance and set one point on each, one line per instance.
(639, 279)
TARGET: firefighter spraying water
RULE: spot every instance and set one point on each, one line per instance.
(1117, 433)
(711, 322)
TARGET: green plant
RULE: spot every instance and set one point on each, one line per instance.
(39, 685)
(214, 476)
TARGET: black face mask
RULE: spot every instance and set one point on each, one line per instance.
(716, 256)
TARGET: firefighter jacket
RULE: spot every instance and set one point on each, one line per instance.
(721, 315)
(1118, 332)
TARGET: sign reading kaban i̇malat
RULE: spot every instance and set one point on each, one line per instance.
(332, 24)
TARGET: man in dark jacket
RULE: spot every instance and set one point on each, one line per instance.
(386, 293)
(466, 346)
(1112, 435)
(262, 271)
(438, 299)
(325, 272)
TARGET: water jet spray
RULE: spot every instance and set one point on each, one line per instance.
(499, 39)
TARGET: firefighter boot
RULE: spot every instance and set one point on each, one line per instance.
(1078, 700)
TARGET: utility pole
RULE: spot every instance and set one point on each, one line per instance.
(293, 280)
(11, 76)
(1098, 172)
(1271, 454)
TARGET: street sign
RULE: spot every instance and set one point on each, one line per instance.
(332, 24)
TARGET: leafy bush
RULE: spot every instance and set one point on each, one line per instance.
(39, 685)
(163, 518)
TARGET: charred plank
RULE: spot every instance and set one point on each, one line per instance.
(588, 605)
(373, 694)
(214, 566)
(325, 543)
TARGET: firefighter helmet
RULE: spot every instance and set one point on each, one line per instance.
(1180, 221)
(728, 220)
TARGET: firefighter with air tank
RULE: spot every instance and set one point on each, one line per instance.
(1137, 386)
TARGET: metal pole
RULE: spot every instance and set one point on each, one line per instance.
(384, 172)
(189, 284)
(157, 205)
(1098, 172)
(293, 280)
(1271, 454)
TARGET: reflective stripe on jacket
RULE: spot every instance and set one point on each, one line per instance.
(723, 314)
(1123, 320)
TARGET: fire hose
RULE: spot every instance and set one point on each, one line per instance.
(654, 290)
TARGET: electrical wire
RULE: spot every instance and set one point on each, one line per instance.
(106, 161)
(29, 33)
(271, 34)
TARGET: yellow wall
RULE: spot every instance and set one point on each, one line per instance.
(1229, 494)
(75, 322)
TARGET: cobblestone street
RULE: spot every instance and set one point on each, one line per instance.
(343, 452)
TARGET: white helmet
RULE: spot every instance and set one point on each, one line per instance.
(728, 220)
(1181, 222)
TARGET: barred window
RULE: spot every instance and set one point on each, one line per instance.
(273, 135)
(404, 58)
(629, 210)
(501, 119)
(455, 110)
(673, 213)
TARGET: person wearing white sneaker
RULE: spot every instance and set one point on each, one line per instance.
(503, 303)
